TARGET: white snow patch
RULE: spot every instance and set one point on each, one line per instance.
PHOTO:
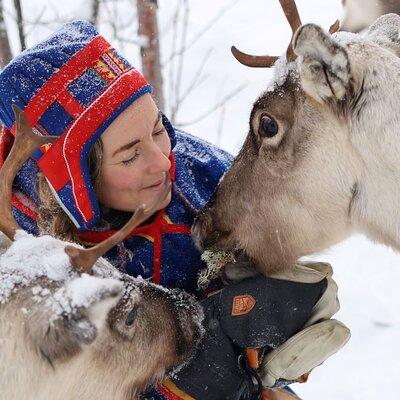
(29, 258)
(282, 69)
(83, 292)
(346, 38)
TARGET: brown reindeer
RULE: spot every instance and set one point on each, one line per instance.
(359, 14)
(67, 335)
(321, 159)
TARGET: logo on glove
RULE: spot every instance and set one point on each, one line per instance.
(242, 304)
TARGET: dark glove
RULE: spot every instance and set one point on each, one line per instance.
(258, 312)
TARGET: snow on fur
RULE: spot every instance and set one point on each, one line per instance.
(29, 258)
(282, 69)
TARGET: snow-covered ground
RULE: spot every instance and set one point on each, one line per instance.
(368, 275)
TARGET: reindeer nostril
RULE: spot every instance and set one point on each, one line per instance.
(130, 319)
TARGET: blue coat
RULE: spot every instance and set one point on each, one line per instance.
(161, 250)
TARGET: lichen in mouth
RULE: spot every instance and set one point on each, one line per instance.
(215, 260)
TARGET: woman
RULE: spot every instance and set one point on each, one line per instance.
(114, 152)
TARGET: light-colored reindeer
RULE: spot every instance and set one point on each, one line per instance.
(321, 159)
(359, 14)
(67, 335)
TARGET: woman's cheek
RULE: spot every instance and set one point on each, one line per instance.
(124, 179)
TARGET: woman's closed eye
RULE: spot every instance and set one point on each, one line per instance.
(131, 159)
(161, 130)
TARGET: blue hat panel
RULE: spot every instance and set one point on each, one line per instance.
(79, 31)
(87, 87)
(55, 119)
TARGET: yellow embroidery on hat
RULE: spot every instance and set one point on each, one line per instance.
(117, 61)
(45, 147)
(104, 71)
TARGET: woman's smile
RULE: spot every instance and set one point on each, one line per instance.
(155, 186)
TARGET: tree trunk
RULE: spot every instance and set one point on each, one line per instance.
(150, 47)
(5, 50)
(95, 12)
(20, 22)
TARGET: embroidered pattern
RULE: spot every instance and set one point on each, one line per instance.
(109, 67)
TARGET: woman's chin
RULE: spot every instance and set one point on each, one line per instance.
(149, 200)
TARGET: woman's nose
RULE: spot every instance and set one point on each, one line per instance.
(157, 161)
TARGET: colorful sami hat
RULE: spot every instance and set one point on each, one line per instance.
(71, 85)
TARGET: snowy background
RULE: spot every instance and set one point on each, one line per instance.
(368, 275)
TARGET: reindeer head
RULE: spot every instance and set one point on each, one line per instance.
(298, 184)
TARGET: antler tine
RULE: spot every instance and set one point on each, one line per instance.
(25, 143)
(253, 61)
(84, 259)
(292, 15)
(334, 27)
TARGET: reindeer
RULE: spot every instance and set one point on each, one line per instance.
(359, 14)
(321, 158)
(84, 332)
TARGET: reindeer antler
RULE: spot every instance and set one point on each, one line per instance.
(292, 15)
(25, 143)
(84, 259)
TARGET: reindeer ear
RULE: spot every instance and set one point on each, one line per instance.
(385, 32)
(325, 71)
(72, 316)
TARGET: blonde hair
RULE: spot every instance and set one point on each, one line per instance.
(52, 219)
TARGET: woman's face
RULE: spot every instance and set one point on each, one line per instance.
(135, 160)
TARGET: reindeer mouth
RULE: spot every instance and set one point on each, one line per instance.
(188, 315)
(206, 238)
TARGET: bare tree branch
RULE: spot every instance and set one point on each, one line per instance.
(95, 12)
(20, 23)
(171, 69)
(198, 78)
(199, 34)
(220, 125)
(150, 47)
(5, 49)
(179, 70)
(30, 26)
(214, 108)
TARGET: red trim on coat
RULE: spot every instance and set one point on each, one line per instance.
(167, 393)
(23, 208)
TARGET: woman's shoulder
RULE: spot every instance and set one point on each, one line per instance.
(199, 150)
(199, 167)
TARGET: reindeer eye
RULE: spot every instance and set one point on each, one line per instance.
(268, 126)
